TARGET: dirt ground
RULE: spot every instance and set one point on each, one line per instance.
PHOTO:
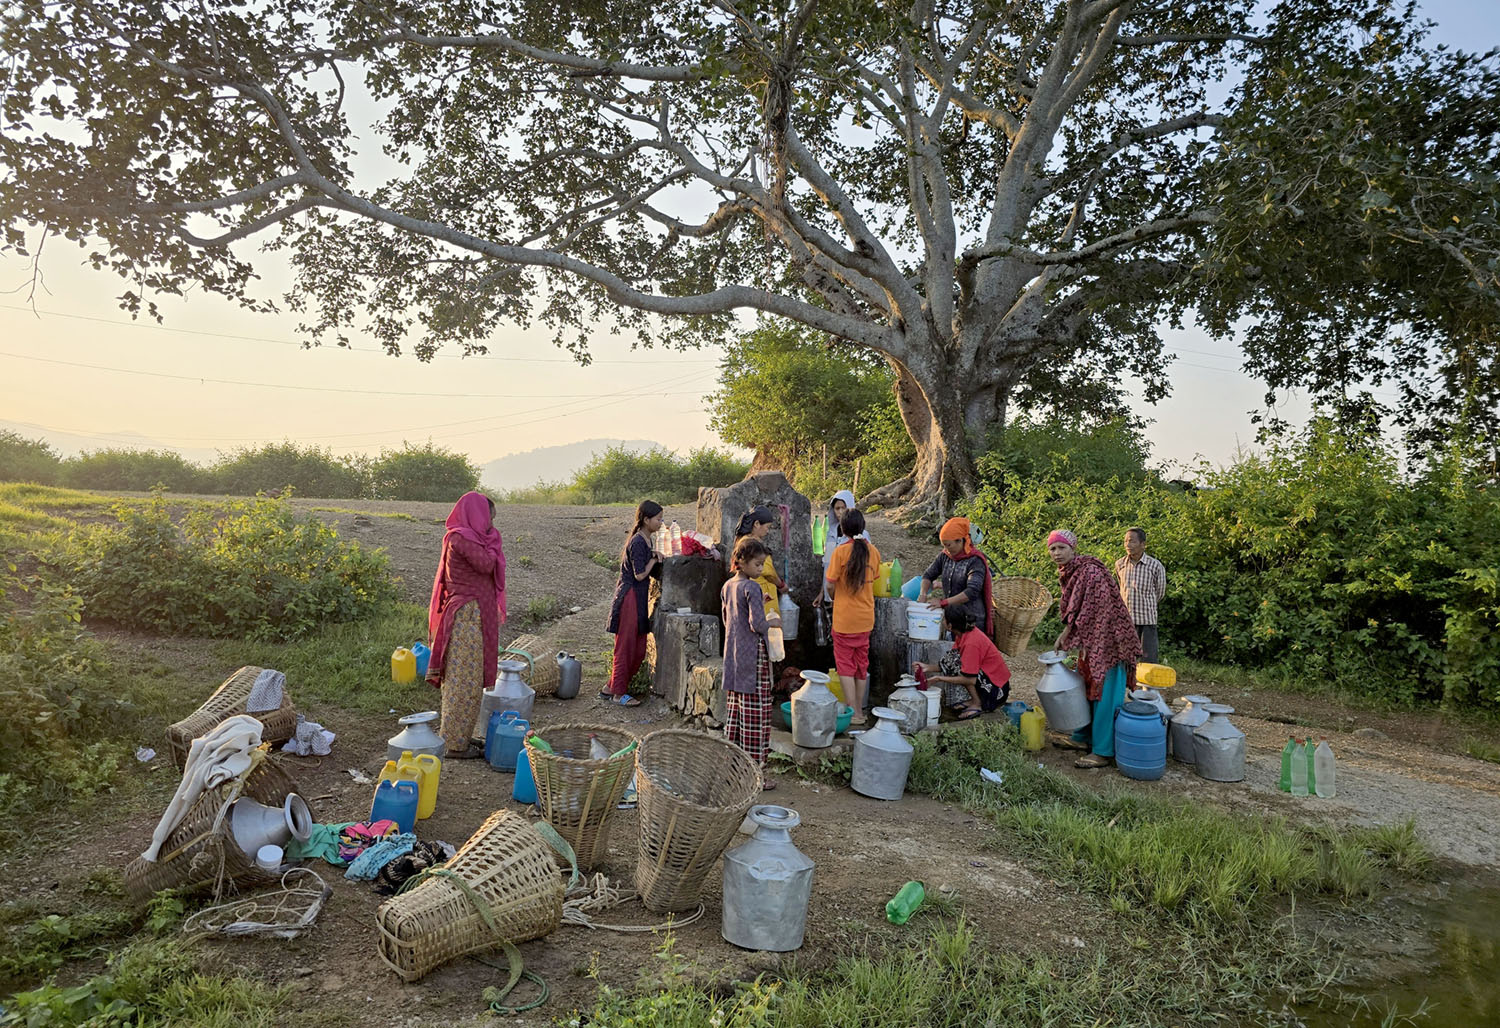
(1401, 767)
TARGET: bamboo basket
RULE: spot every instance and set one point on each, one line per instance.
(200, 855)
(510, 891)
(1020, 605)
(228, 700)
(541, 662)
(577, 795)
(695, 790)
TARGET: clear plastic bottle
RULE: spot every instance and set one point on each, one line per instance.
(1326, 768)
(1285, 782)
(1307, 755)
(676, 540)
(1299, 769)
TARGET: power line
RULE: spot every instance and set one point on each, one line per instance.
(349, 349)
(321, 389)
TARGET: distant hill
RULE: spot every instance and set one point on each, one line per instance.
(69, 445)
(549, 463)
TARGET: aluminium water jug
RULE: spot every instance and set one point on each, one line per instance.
(1219, 747)
(416, 735)
(767, 885)
(881, 758)
(910, 703)
(1180, 729)
(1062, 694)
(815, 712)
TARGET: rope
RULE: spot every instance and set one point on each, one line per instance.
(598, 894)
(283, 914)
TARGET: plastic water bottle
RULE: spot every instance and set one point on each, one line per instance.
(1325, 768)
(1300, 767)
(1285, 784)
(1307, 755)
(905, 903)
(676, 539)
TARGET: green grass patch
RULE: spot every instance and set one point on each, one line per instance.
(46, 497)
(389, 515)
(607, 561)
(542, 609)
(1482, 749)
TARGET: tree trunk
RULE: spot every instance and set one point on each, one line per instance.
(944, 468)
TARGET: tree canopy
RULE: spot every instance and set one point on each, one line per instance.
(995, 197)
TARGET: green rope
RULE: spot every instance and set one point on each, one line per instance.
(557, 842)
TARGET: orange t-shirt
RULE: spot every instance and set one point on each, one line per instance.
(853, 609)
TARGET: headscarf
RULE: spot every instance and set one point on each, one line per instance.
(751, 518)
(1102, 626)
(470, 520)
(836, 537)
(959, 528)
(1062, 535)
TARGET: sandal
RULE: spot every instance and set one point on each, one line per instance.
(1065, 742)
(605, 694)
(968, 714)
(627, 700)
(1091, 761)
(766, 785)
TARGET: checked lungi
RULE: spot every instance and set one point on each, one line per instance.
(748, 720)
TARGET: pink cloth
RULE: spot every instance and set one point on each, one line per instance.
(471, 569)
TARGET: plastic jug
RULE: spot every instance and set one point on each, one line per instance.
(834, 685)
(883, 579)
(569, 675)
(524, 789)
(423, 653)
(1140, 741)
(491, 734)
(434, 768)
(1325, 768)
(403, 666)
(396, 801)
(1031, 730)
(426, 778)
(895, 586)
(509, 734)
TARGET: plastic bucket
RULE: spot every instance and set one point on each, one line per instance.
(912, 588)
(923, 622)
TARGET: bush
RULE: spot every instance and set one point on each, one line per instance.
(135, 470)
(421, 473)
(619, 475)
(27, 460)
(308, 470)
(1317, 560)
(250, 568)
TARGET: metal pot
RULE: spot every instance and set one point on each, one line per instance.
(1180, 729)
(1219, 747)
(767, 885)
(417, 735)
(881, 758)
(1062, 694)
(815, 712)
(510, 692)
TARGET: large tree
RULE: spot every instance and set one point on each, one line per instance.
(992, 195)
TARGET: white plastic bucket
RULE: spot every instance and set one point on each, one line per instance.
(923, 622)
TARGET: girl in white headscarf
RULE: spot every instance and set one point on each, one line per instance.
(841, 504)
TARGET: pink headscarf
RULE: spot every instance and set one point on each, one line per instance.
(1062, 535)
(457, 583)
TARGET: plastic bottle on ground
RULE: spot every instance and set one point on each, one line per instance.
(1307, 754)
(1299, 769)
(905, 903)
(1326, 769)
(1285, 782)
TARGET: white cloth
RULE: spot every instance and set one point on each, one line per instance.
(265, 694)
(217, 756)
(310, 739)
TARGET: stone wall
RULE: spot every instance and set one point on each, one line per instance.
(680, 643)
(719, 511)
(691, 582)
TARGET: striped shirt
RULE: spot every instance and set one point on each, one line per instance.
(1142, 585)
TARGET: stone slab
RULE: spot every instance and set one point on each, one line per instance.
(781, 742)
(720, 510)
(704, 694)
(691, 582)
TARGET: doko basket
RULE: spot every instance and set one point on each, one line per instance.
(694, 791)
(541, 662)
(577, 795)
(1020, 605)
(228, 700)
(200, 855)
(503, 885)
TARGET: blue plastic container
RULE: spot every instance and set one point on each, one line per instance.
(503, 739)
(396, 801)
(424, 654)
(524, 791)
(1140, 741)
(912, 587)
(1014, 709)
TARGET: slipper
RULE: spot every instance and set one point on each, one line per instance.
(1092, 760)
(627, 701)
(969, 714)
(766, 785)
(1065, 742)
(606, 695)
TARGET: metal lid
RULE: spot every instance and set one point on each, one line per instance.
(419, 718)
(888, 714)
(1218, 708)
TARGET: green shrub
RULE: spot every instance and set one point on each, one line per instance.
(421, 473)
(310, 471)
(248, 568)
(135, 470)
(27, 460)
(1316, 560)
(619, 475)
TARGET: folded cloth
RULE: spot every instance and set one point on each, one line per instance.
(310, 739)
(217, 756)
(422, 856)
(358, 836)
(323, 844)
(265, 694)
(368, 864)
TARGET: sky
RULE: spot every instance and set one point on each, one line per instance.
(214, 378)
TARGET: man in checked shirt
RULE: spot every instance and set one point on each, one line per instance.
(1143, 582)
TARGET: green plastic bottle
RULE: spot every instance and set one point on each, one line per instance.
(896, 581)
(540, 743)
(1285, 785)
(1307, 754)
(905, 903)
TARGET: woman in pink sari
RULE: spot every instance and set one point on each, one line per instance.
(464, 619)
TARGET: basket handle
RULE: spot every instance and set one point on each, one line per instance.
(530, 662)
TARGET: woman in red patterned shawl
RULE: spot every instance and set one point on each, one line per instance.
(1097, 624)
(464, 619)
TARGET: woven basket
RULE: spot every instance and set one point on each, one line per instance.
(1020, 605)
(508, 867)
(228, 700)
(577, 795)
(695, 790)
(541, 661)
(200, 854)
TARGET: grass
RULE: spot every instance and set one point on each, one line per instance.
(46, 497)
(1482, 749)
(542, 609)
(525, 561)
(388, 515)
(607, 561)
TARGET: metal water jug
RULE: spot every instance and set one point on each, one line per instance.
(815, 712)
(911, 703)
(416, 735)
(767, 885)
(569, 675)
(1180, 730)
(1219, 747)
(510, 692)
(881, 758)
(254, 825)
(1062, 694)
